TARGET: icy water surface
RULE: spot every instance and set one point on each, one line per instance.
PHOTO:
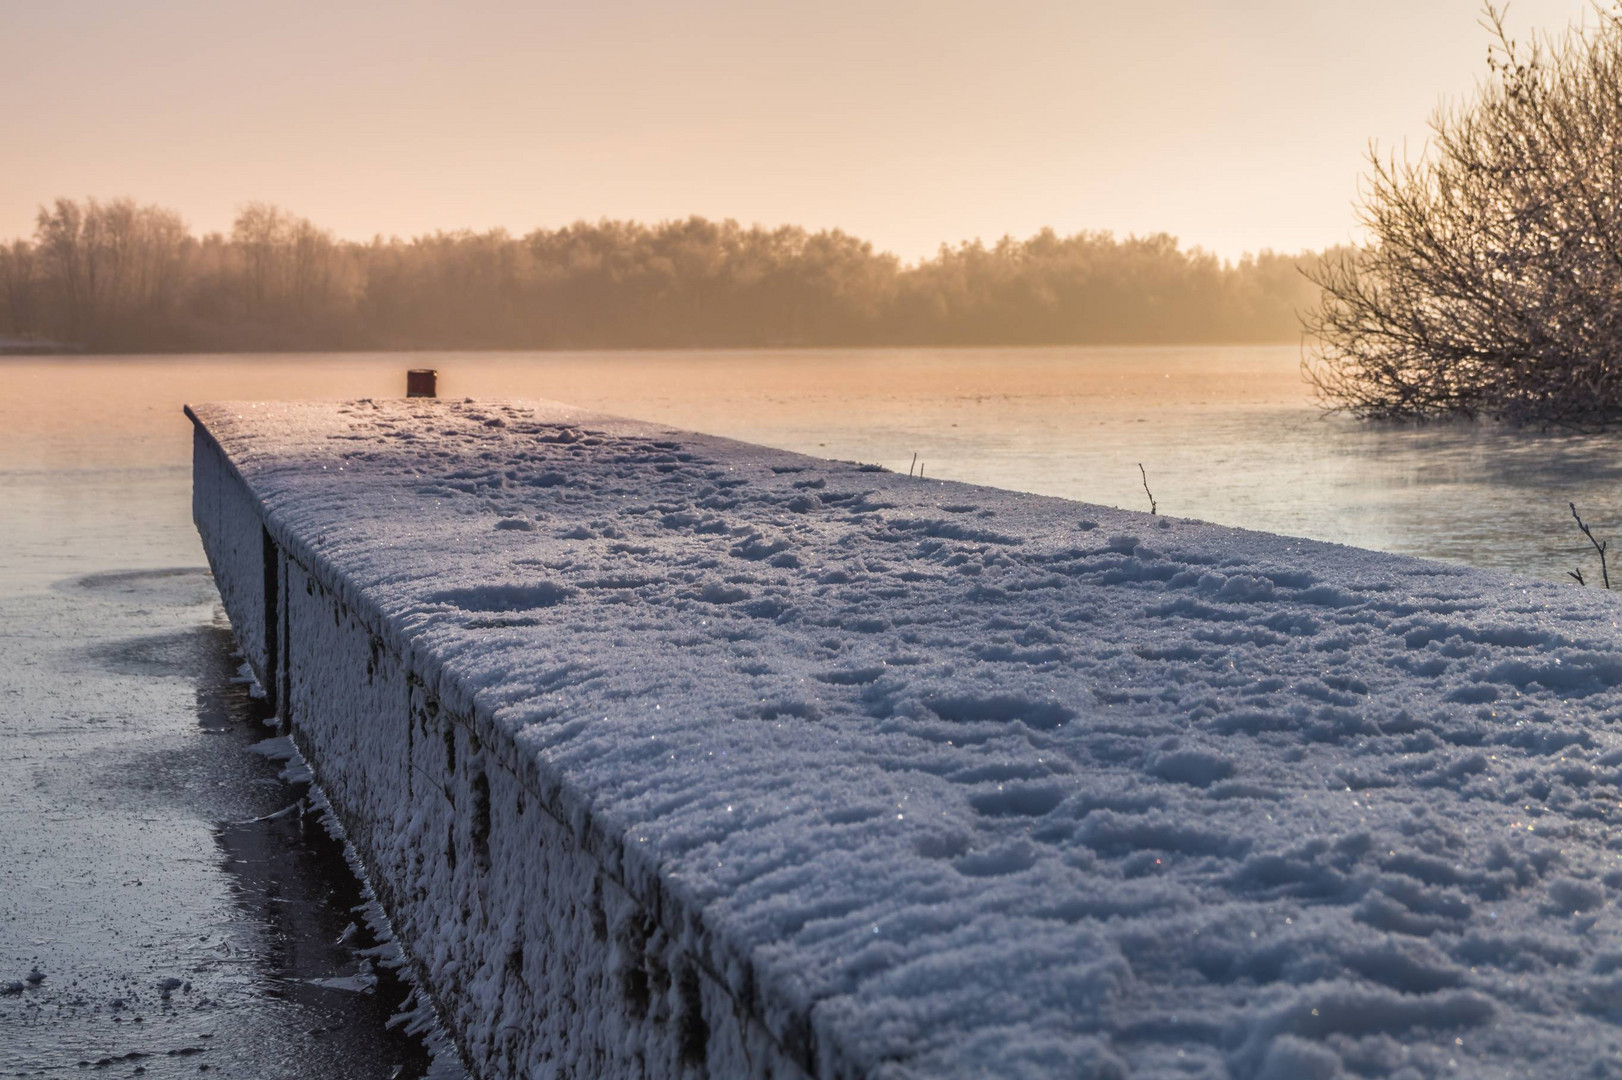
(168, 905)
(1226, 434)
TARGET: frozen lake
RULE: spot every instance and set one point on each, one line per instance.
(1231, 435)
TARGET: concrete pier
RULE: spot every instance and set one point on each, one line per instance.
(670, 756)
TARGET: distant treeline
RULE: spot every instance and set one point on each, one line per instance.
(116, 276)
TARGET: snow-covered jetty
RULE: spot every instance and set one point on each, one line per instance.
(670, 755)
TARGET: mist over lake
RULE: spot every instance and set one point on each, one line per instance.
(1225, 434)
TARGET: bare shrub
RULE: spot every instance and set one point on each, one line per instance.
(1491, 284)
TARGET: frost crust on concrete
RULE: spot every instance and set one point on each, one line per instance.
(642, 730)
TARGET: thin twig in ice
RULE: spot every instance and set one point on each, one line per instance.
(1152, 504)
(1599, 546)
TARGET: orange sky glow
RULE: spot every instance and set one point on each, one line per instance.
(1233, 125)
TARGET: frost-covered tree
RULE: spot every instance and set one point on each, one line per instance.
(1491, 282)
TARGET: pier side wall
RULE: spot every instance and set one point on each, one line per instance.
(239, 550)
(539, 962)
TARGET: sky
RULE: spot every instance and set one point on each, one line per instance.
(1235, 125)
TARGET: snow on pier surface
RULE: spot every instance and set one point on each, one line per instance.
(941, 780)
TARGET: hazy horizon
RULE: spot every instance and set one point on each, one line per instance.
(116, 276)
(1234, 127)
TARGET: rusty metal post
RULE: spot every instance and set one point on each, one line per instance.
(420, 382)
